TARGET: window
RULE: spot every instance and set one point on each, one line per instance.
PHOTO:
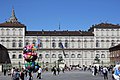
(13, 56)
(20, 43)
(20, 32)
(112, 43)
(73, 42)
(59, 55)
(2, 31)
(8, 31)
(13, 31)
(102, 55)
(20, 56)
(13, 43)
(97, 55)
(46, 55)
(41, 44)
(40, 56)
(97, 43)
(85, 43)
(79, 56)
(66, 56)
(66, 43)
(73, 56)
(59, 45)
(34, 42)
(27, 42)
(53, 44)
(53, 56)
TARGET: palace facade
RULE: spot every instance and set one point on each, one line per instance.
(80, 47)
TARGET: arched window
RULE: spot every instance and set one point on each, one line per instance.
(26, 42)
(13, 56)
(20, 43)
(73, 56)
(79, 56)
(66, 56)
(97, 55)
(47, 56)
(53, 44)
(40, 56)
(102, 55)
(59, 55)
(53, 56)
(14, 43)
(20, 56)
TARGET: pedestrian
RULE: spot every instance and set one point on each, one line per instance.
(63, 70)
(22, 74)
(95, 70)
(58, 70)
(4, 72)
(39, 73)
(117, 73)
(54, 70)
(30, 76)
(16, 75)
(105, 73)
(12, 71)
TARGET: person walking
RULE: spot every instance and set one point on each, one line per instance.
(39, 73)
(16, 75)
(54, 70)
(116, 74)
(58, 70)
(4, 72)
(105, 73)
(22, 74)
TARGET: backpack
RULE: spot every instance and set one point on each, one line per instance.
(17, 75)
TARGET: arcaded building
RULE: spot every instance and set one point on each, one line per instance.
(80, 47)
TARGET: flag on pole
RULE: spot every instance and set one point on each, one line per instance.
(61, 46)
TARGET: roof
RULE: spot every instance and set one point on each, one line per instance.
(115, 48)
(11, 24)
(104, 25)
(59, 33)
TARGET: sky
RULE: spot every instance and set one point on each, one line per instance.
(70, 15)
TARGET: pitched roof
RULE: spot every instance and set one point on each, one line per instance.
(11, 24)
(59, 33)
(104, 25)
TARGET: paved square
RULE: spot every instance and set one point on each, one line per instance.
(71, 75)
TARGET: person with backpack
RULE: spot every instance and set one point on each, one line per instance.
(105, 73)
(16, 75)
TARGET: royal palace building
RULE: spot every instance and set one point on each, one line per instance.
(80, 47)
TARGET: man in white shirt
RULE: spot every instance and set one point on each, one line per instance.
(105, 72)
(39, 73)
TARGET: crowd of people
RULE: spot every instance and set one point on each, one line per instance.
(20, 74)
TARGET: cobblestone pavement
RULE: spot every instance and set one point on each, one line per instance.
(72, 75)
